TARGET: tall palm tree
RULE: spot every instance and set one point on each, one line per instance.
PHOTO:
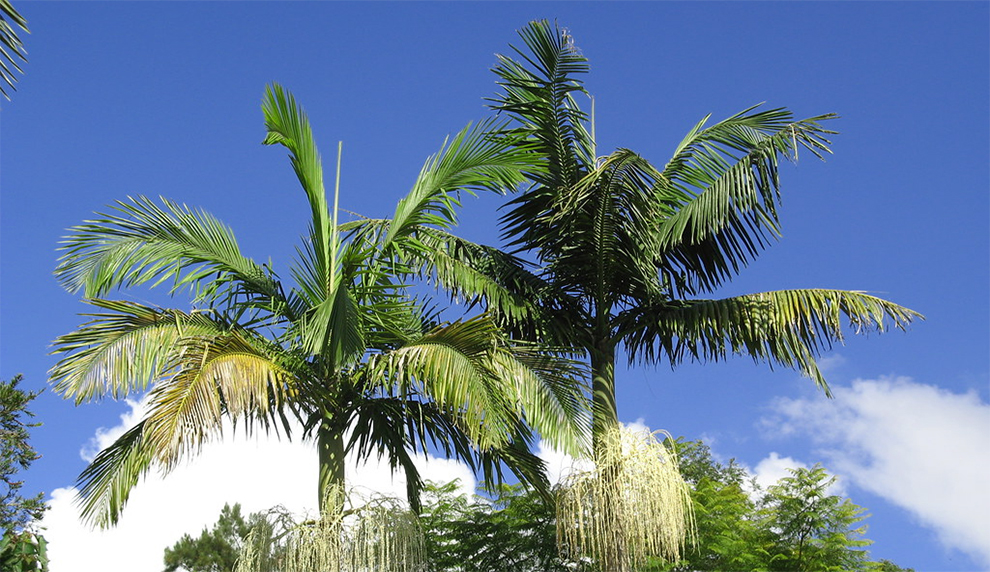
(627, 254)
(627, 251)
(346, 350)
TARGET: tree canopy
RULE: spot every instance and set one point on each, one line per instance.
(21, 547)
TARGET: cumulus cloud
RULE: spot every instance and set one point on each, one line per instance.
(773, 468)
(259, 472)
(919, 446)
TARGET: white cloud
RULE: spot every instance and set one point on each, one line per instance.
(773, 468)
(919, 446)
(259, 472)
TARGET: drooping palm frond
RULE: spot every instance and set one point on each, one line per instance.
(717, 197)
(105, 485)
(553, 403)
(143, 243)
(124, 349)
(786, 327)
(200, 369)
(11, 47)
(232, 376)
(452, 366)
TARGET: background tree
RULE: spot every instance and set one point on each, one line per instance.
(812, 529)
(11, 47)
(216, 549)
(345, 348)
(508, 528)
(796, 524)
(627, 254)
(21, 549)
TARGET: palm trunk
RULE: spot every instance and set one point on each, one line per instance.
(606, 419)
(330, 445)
(605, 413)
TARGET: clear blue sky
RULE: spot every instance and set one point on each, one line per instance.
(158, 98)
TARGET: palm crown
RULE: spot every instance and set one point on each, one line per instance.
(347, 351)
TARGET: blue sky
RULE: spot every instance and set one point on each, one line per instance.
(158, 98)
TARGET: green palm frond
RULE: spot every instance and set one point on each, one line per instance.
(452, 365)
(478, 275)
(123, 350)
(106, 484)
(11, 47)
(553, 404)
(538, 92)
(288, 126)
(473, 160)
(593, 238)
(143, 242)
(718, 196)
(787, 327)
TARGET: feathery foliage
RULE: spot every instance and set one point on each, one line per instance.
(382, 535)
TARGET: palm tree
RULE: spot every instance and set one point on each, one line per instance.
(346, 350)
(627, 254)
(625, 249)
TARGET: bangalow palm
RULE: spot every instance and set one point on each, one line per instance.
(345, 350)
(626, 253)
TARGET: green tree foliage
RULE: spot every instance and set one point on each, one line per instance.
(508, 528)
(21, 549)
(344, 348)
(795, 525)
(216, 549)
(11, 47)
(813, 531)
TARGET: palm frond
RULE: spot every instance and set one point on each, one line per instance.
(553, 400)
(473, 160)
(717, 198)
(786, 327)
(142, 242)
(452, 365)
(11, 47)
(230, 375)
(123, 350)
(105, 485)
(288, 126)
(538, 93)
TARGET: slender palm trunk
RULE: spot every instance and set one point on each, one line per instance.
(330, 444)
(606, 419)
(605, 412)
